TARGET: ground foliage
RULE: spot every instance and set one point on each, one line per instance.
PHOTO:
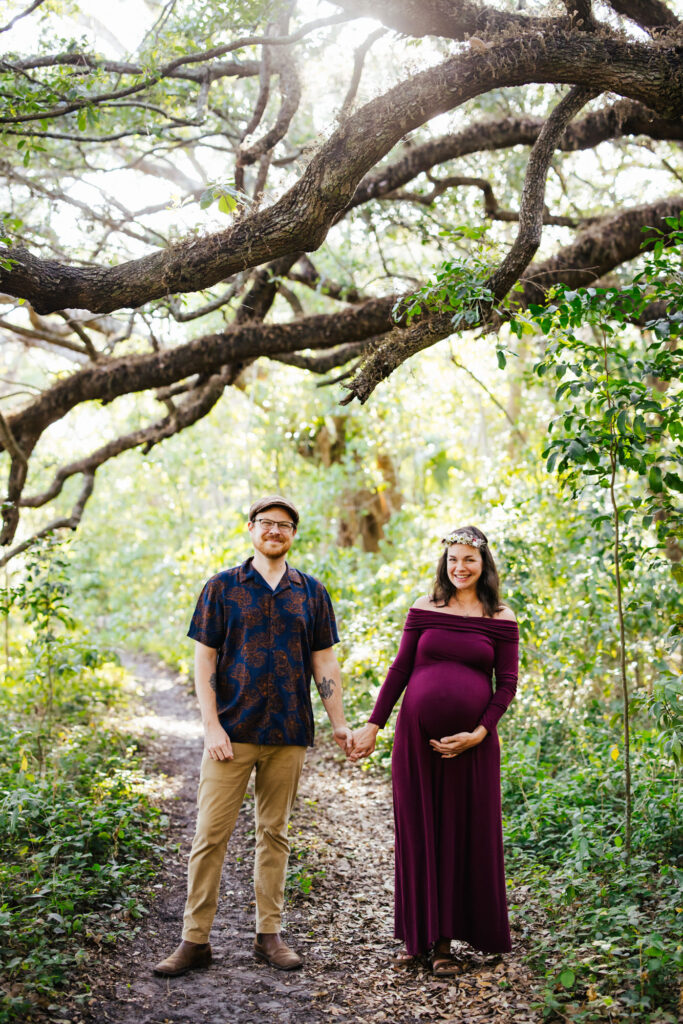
(79, 838)
(608, 942)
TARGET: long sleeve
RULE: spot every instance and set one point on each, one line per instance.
(505, 668)
(397, 677)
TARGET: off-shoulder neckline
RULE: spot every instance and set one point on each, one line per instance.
(454, 615)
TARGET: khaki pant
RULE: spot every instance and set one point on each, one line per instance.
(222, 786)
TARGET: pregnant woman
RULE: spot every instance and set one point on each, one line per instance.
(450, 877)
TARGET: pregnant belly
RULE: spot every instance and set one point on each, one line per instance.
(445, 699)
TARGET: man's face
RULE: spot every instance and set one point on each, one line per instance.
(272, 531)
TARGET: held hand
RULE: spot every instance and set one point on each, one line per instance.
(217, 743)
(451, 746)
(364, 740)
(344, 737)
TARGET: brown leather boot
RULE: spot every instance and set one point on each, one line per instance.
(187, 957)
(276, 953)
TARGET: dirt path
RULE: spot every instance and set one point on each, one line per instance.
(342, 849)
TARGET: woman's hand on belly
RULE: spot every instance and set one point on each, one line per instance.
(451, 746)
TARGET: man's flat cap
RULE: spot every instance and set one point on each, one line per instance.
(273, 501)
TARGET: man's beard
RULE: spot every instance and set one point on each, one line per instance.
(282, 548)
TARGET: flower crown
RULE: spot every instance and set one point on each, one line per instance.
(463, 537)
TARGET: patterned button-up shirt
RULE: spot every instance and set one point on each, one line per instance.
(265, 641)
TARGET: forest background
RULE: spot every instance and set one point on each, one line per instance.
(538, 400)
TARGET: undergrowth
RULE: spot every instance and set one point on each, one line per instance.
(605, 936)
(78, 835)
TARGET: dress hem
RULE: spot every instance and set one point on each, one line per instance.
(454, 938)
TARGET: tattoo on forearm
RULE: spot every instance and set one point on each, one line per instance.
(212, 681)
(326, 688)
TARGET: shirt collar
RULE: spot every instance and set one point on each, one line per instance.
(292, 577)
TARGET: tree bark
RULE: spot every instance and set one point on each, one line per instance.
(301, 218)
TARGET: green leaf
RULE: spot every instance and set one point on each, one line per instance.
(655, 480)
(227, 204)
(567, 978)
(673, 481)
(577, 452)
(639, 428)
(502, 361)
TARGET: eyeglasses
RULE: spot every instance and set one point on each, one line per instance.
(268, 524)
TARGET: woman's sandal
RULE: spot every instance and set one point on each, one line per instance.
(404, 959)
(445, 965)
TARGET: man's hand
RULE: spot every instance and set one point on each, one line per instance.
(364, 741)
(344, 737)
(216, 740)
(217, 743)
(452, 746)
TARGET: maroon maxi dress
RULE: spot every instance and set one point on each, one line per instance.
(449, 871)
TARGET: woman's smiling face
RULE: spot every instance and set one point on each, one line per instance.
(464, 566)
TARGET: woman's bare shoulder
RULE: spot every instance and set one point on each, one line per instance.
(424, 602)
(505, 613)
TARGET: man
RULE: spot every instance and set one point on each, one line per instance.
(261, 629)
